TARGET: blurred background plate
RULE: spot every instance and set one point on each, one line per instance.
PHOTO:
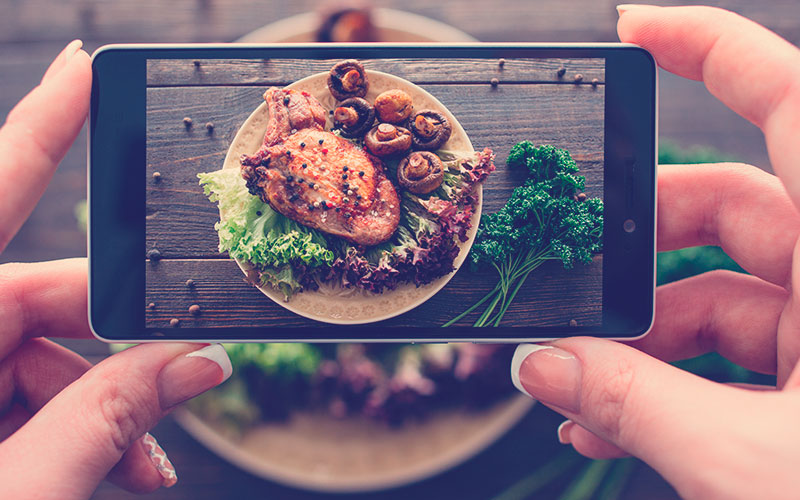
(390, 26)
(319, 452)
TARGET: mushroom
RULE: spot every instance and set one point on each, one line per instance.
(429, 129)
(348, 79)
(420, 172)
(354, 117)
(393, 106)
(386, 139)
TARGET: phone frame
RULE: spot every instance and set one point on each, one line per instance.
(115, 304)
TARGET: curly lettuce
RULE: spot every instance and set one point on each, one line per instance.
(249, 230)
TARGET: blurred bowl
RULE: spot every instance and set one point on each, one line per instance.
(390, 26)
(319, 452)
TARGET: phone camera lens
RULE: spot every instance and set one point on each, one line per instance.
(629, 226)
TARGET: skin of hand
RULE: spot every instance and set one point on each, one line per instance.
(708, 440)
(65, 425)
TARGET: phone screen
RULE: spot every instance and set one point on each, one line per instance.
(387, 193)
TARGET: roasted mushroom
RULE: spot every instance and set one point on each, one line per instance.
(386, 139)
(429, 129)
(348, 79)
(353, 117)
(393, 106)
(420, 172)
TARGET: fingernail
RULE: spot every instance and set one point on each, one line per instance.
(160, 461)
(190, 374)
(563, 431)
(72, 48)
(625, 7)
(548, 374)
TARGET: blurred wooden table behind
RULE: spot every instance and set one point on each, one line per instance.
(32, 32)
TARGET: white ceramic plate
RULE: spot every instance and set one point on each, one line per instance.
(351, 306)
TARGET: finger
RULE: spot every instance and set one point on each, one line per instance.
(61, 59)
(11, 419)
(731, 313)
(586, 443)
(788, 338)
(36, 136)
(741, 208)
(37, 371)
(42, 299)
(641, 405)
(749, 68)
(91, 423)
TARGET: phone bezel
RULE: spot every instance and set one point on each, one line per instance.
(117, 215)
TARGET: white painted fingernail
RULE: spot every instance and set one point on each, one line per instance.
(563, 431)
(522, 352)
(72, 48)
(217, 354)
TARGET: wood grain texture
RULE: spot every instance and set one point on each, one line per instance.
(32, 32)
(226, 20)
(180, 219)
(552, 296)
(184, 72)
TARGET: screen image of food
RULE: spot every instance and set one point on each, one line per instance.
(410, 193)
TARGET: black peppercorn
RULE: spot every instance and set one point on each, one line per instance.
(305, 166)
(344, 176)
(344, 168)
(338, 209)
(286, 100)
(311, 185)
(299, 181)
(302, 144)
(258, 213)
(361, 174)
(321, 141)
(290, 178)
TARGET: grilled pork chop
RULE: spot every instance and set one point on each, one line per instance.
(317, 178)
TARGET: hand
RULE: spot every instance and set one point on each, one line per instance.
(708, 440)
(64, 425)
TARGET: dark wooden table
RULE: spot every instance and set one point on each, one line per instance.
(33, 31)
(532, 102)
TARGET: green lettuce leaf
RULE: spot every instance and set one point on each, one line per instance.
(252, 231)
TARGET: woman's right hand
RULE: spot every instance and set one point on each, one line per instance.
(708, 440)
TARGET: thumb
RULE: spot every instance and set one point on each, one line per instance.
(71, 444)
(630, 400)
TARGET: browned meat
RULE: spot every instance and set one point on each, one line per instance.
(317, 178)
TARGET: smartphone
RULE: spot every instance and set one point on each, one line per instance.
(372, 192)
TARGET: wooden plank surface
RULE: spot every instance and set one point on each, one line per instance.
(550, 297)
(226, 20)
(32, 32)
(184, 72)
(181, 219)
